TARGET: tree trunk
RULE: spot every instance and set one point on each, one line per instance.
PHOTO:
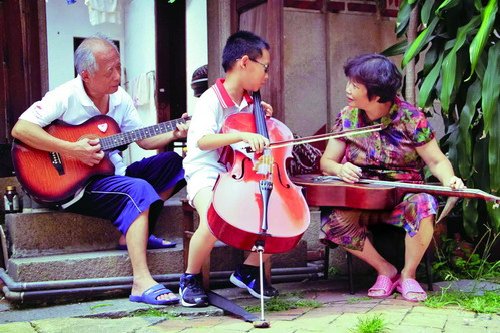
(410, 67)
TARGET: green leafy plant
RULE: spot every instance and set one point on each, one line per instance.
(283, 303)
(354, 300)
(333, 272)
(488, 302)
(457, 44)
(102, 305)
(152, 312)
(375, 324)
(457, 259)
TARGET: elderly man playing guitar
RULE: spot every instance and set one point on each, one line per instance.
(132, 196)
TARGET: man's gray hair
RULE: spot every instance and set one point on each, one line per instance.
(84, 54)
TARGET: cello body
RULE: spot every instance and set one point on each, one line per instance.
(237, 209)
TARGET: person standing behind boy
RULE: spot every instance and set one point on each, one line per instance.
(245, 60)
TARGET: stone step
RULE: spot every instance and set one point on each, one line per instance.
(106, 264)
(37, 232)
(115, 263)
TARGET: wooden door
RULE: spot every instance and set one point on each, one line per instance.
(170, 59)
(23, 71)
(265, 18)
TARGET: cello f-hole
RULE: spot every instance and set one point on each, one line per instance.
(235, 177)
(278, 174)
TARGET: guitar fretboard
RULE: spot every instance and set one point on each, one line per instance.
(432, 189)
(125, 138)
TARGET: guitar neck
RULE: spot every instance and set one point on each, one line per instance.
(436, 189)
(120, 139)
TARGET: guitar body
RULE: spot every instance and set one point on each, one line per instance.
(51, 178)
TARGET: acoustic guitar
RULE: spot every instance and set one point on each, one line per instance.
(52, 178)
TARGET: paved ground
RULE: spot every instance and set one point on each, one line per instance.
(339, 312)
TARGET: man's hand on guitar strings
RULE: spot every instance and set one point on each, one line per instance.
(88, 151)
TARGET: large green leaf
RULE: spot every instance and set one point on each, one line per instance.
(494, 213)
(449, 69)
(469, 210)
(480, 158)
(448, 75)
(403, 17)
(418, 44)
(425, 11)
(494, 153)
(428, 84)
(491, 86)
(396, 49)
(488, 16)
(431, 56)
(447, 4)
(465, 140)
(450, 143)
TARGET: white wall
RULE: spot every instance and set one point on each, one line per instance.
(140, 37)
(137, 45)
(196, 43)
(63, 23)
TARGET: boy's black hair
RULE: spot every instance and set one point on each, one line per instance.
(377, 73)
(242, 43)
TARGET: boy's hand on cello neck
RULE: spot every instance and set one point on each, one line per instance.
(268, 109)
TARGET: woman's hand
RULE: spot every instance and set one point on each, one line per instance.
(455, 183)
(349, 172)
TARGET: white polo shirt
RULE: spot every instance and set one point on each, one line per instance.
(201, 167)
(70, 103)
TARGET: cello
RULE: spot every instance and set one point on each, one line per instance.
(255, 202)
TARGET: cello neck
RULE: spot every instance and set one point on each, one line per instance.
(259, 114)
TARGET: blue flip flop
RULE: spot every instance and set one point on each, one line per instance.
(153, 243)
(149, 296)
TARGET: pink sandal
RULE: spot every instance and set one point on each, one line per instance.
(385, 284)
(411, 286)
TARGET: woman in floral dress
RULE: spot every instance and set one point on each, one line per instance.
(398, 152)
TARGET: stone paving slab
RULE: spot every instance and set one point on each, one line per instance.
(340, 312)
(92, 325)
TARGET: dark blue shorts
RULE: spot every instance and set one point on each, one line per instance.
(122, 199)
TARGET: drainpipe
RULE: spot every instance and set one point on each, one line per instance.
(86, 288)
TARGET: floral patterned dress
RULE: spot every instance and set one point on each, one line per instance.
(388, 154)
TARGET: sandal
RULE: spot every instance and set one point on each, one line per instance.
(384, 284)
(150, 296)
(411, 286)
(153, 243)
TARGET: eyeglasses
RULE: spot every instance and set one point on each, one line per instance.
(266, 67)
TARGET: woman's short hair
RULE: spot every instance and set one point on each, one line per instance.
(377, 73)
(84, 54)
(242, 43)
